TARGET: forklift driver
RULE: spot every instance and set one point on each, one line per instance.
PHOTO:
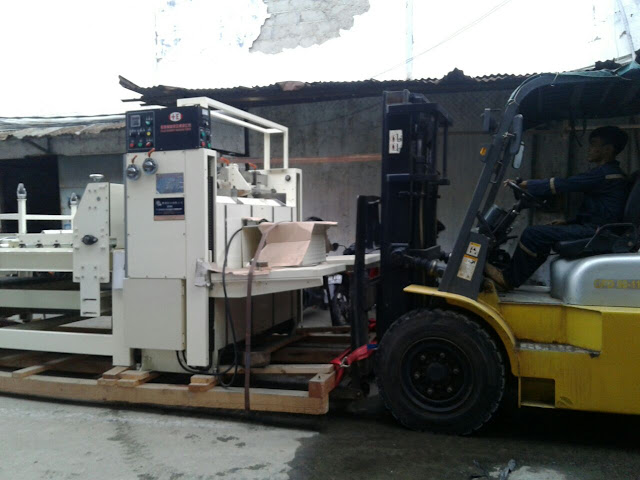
(605, 190)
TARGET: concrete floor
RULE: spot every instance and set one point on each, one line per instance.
(56, 441)
(51, 440)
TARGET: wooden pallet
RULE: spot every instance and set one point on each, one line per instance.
(41, 375)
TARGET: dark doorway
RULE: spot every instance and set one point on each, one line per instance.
(40, 178)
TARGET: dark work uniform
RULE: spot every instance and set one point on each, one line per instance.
(605, 195)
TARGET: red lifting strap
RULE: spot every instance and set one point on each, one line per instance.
(349, 357)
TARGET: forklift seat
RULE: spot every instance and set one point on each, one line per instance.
(610, 238)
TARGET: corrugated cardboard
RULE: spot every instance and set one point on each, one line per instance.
(295, 244)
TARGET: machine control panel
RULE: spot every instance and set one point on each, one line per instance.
(179, 128)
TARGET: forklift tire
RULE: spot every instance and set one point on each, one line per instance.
(438, 370)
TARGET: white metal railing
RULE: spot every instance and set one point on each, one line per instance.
(22, 217)
(239, 117)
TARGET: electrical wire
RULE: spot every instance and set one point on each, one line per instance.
(450, 37)
(198, 370)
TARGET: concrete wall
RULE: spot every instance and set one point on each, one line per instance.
(337, 145)
(335, 133)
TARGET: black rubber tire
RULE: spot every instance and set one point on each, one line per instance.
(428, 334)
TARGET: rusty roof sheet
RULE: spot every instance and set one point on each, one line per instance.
(19, 128)
(303, 92)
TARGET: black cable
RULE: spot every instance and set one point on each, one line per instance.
(227, 311)
(229, 318)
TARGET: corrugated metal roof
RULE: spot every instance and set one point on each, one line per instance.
(26, 128)
(301, 92)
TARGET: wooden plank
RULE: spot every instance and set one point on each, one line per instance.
(261, 355)
(108, 381)
(297, 354)
(35, 369)
(203, 379)
(88, 365)
(326, 339)
(202, 383)
(133, 378)
(268, 400)
(341, 329)
(322, 384)
(134, 374)
(285, 369)
(114, 373)
(17, 358)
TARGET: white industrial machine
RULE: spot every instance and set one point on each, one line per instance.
(139, 277)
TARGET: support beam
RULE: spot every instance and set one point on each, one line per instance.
(61, 342)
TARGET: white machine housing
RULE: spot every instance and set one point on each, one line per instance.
(143, 260)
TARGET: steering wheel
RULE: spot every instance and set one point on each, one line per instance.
(521, 193)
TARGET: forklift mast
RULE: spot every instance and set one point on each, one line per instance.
(414, 166)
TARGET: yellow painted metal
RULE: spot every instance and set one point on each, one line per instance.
(554, 323)
(481, 309)
(607, 380)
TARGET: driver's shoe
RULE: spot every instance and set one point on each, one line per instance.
(496, 275)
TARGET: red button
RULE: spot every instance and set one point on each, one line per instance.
(131, 145)
(202, 144)
(149, 144)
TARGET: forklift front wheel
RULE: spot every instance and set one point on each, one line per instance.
(439, 370)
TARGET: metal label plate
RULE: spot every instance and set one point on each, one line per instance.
(169, 183)
(168, 208)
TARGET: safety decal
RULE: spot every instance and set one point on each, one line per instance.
(395, 141)
(467, 267)
(473, 249)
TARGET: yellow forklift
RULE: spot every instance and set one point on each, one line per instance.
(449, 342)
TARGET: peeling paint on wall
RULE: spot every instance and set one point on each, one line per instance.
(303, 23)
(200, 28)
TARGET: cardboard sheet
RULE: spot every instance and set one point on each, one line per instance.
(295, 244)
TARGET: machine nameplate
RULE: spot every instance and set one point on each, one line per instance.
(168, 208)
(169, 183)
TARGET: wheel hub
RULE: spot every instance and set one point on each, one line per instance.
(437, 374)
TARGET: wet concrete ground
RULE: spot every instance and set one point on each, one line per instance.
(546, 445)
(63, 441)
(67, 441)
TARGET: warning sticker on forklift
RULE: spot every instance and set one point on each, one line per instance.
(395, 141)
(473, 249)
(467, 267)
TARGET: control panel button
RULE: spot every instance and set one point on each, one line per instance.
(132, 144)
(149, 144)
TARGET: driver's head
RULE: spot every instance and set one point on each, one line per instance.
(605, 143)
